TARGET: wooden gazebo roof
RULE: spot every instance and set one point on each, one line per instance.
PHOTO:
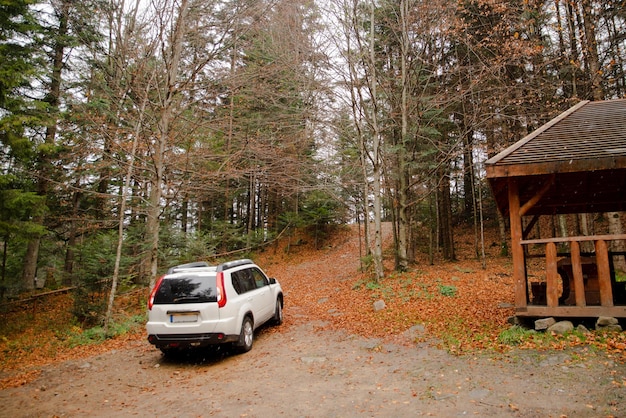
(576, 163)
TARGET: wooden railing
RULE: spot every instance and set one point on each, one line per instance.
(552, 276)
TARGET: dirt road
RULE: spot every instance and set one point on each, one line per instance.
(304, 372)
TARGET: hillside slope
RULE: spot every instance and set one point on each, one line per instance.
(327, 284)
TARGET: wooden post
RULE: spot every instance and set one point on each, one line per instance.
(517, 250)
(577, 269)
(604, 273)
(552, 281)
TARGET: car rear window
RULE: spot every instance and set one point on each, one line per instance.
(187, 289)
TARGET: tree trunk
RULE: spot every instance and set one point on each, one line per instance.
(445, 214)
(502, 233)
(377, 252)
(402, 263)
(591, 48)
(30, 261)
(5, 252)
(163, 137)
(573, 44)
(615, 33)
(121, 221)
(365, 200)
(433, 227)
(467, 133)
(68, 268)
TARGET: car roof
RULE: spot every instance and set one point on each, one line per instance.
(203, 266)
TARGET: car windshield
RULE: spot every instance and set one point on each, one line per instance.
(187, 289)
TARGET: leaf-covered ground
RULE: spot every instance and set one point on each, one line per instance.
(461, 305)
(44, 331)
(449, 298)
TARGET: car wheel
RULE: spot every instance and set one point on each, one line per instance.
(246, 337)
(278, 312)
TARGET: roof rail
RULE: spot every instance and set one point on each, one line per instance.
(195, 264)
(234, 263)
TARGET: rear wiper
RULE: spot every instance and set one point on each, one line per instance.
(186, 299)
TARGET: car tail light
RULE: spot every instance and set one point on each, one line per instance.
(221, 292)
(153, 293)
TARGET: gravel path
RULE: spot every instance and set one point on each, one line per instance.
(302, 371)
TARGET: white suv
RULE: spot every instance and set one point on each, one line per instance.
(197, 305)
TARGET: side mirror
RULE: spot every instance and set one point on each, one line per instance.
(272, 280)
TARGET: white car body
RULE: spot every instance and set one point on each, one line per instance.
(198, 305)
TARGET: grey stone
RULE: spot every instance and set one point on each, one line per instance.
(379, 305)
(545, 323)
(561, 327)
(583, 329)
(604, 321)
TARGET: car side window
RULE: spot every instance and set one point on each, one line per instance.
(259, 278)
(237, 285)
(245, 281)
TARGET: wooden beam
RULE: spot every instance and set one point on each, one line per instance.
(571, 311)
(561, 167)
(552, 277)
(537, 197)
(517, 250)
(604, 273)
(530, 225)
(575, 238)
(577, 270)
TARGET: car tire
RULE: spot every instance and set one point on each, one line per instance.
(278, 312)
(246, 336)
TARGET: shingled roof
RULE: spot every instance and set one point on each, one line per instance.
(580, 155)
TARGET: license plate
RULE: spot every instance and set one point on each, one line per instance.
(181, 318)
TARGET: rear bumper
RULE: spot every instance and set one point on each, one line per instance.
(190, 340)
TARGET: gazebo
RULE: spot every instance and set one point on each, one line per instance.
(574, 164)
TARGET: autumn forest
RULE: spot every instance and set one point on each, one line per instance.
(139, 134)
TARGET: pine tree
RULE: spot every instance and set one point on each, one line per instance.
(20, 115)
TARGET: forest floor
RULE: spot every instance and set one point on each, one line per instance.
(434, 350)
